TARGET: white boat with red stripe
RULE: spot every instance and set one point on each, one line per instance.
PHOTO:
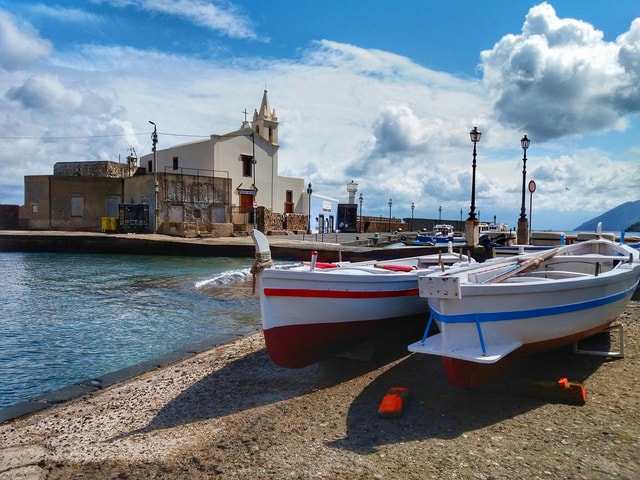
(314, 310)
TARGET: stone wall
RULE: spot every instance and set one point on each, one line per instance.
(94, 169)
(279, 224)
(377, 224)
(195, 230)
(203, 199)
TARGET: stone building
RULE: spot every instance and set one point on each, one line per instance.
(246, 159)
(216, 186)
(75, 197)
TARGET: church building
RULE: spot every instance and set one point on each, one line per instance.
(224, 184)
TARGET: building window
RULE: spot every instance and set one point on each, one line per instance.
(143, 200)
(175, 163)
(247, 165)
(77, 206)
(289, 196)
(34, 208)
(133, 200)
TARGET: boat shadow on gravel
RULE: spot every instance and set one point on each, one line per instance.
(438, 409)
(254, 381)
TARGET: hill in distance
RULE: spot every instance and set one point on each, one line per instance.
(616, 220)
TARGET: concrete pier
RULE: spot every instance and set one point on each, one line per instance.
(330, 247)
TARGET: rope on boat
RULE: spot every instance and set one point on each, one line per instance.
(263, 260)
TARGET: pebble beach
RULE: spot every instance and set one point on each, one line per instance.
(230, 413)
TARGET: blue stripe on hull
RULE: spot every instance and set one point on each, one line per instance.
(538, 312)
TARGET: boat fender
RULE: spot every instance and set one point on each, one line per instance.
(396, 268)
(326, 265)
(393, 402)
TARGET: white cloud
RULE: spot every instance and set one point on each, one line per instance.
(565, 184)
(67, 15)
(559, 78)
(347, 113)
(221, 17)
(20, 44)
(45, 93)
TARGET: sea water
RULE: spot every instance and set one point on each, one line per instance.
(65, 318)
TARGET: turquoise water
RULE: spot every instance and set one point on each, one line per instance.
(68, 317)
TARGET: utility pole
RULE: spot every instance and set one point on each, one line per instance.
(154, 142)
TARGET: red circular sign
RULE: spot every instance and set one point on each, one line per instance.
(532, 186)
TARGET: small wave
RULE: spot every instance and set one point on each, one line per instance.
(224, 279)
(233, 276)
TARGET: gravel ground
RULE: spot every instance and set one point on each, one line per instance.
(230, 413)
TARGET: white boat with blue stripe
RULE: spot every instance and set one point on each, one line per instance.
(492, 311)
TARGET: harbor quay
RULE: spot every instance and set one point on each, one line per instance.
(330, 246)
(222, 409)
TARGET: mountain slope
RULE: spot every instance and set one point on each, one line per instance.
(616, 219)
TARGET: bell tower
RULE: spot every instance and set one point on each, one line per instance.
(265, 121)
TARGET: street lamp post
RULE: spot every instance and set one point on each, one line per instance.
(412, 207)
(361, 198)
(154, 142)
(440, 214)
(532, 188)
(309, 192)
(255, 188)
(471, 230)
(523, 224)
(475, 138)
(390, 204)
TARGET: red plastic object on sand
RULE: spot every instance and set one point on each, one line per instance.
(393, 402)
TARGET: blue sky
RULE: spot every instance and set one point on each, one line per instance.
(377, 92)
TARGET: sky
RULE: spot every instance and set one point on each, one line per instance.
(380, 93)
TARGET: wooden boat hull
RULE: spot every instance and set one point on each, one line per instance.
(306, 318)
(484, 325)
(418, 243)
(426, 240)
(463, 373)
(309, 312)
(299, 345)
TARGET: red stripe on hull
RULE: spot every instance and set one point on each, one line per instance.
(463, 373)
(297, 346)
(307, 293)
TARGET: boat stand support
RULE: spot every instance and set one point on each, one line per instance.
(603, 353)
